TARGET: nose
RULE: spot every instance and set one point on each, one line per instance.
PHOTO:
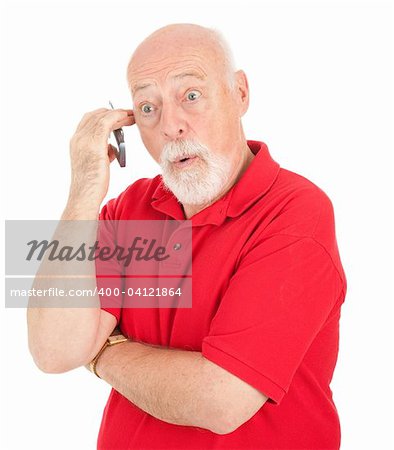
(172, 123)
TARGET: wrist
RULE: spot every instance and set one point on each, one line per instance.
(104, 361)
(80, 210)
(115, 339)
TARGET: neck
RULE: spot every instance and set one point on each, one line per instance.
(243, 163)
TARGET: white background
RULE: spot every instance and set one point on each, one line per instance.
(320, 77)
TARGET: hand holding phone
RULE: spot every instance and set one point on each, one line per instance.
(120, 150)
(91, 155)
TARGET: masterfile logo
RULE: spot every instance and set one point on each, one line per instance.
(98, 263)
(146, 251)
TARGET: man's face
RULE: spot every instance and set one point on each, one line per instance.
(183, 107)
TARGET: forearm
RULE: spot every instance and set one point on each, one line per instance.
(175, 386)
(61, 337)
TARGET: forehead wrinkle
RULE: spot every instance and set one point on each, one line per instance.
(150, 68)
(187, 71)
(154, 71)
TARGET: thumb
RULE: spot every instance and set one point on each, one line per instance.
(111, 152)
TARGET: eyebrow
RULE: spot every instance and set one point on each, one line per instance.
(139, 87)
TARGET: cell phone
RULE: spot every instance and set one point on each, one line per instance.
(120, 149)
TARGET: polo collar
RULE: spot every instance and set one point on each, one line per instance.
(254, 183)
(256, 180)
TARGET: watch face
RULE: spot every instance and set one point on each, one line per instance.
(116, 339)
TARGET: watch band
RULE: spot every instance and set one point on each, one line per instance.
(116, 338)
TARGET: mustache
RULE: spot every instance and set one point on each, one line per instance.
(187, 148)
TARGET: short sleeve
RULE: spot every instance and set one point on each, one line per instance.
(108, 273)
(276, 302)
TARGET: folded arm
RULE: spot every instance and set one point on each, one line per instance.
(179, 387)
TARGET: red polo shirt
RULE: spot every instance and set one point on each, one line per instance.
(267, 288)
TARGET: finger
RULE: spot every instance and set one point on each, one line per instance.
(111, 118)
(101, 124)
(93, 116)
(106, 119)
(111, 152)
(112, 122)
(130, 120)
(102, 111)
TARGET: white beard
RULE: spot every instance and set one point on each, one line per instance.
(200, 183)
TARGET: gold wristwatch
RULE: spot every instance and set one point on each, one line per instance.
(116, 338)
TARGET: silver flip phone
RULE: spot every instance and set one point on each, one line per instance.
(120, 151)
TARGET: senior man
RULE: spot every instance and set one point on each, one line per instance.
(249, 366)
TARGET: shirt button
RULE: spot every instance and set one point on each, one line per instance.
(177, 246)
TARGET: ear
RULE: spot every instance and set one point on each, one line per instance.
(242, 91)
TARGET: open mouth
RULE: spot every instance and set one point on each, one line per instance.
(184, 161)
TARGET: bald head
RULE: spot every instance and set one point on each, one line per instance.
(182, 39)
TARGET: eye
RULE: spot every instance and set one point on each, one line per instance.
(146, 108)
(193, 95)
